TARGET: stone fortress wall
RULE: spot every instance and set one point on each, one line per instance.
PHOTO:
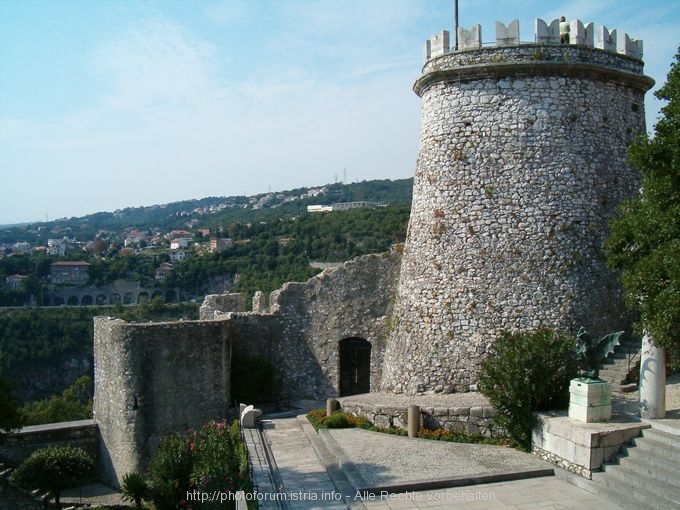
(152, 379)
(522, 163)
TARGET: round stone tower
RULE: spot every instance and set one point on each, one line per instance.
(522, 163)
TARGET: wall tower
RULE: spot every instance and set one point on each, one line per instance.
(522, 163)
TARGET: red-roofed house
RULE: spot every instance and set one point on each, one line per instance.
(76, 273)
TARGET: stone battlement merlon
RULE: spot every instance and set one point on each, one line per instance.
(580, 34)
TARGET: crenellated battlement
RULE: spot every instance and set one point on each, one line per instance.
(548, 34)
(522, 163)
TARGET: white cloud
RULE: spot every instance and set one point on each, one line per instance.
(155, 61)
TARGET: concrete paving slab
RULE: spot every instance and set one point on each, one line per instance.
(388, 462)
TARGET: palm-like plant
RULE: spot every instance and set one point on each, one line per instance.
(134, 488)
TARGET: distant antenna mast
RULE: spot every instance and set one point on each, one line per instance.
(344, 175)
(455, 22)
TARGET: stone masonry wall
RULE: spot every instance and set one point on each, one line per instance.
(301, 330)
(522, 163)
(154, 379)
(473, 420)
(22, 443)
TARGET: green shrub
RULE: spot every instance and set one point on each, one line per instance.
(53, 469)
(337, 420)
(10, 417)
(170, 472)
(524, 373)
(210, 460)
(134, 488)
(317, 418)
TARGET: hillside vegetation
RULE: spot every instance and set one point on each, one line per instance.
(43, 350)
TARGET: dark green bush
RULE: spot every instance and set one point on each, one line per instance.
(75, 403)
(10, 417)
(525, 373)
(337, 420)
(170, 472)
(210, 460)
(53, 469)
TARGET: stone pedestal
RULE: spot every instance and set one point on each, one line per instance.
(590, 400)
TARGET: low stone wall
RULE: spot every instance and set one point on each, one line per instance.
(580, 447)
(19, 445)
(475, 419)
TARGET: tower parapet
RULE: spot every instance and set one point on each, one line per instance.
(522, 163)
(548, 34)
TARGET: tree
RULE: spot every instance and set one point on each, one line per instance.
(645, 239)
(75, 403)
(10, 418)
(53, 469)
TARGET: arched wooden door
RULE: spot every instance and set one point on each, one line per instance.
(355, 366)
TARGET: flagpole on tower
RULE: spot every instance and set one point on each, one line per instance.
(455, 23)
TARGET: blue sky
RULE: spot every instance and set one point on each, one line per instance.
(107, 104)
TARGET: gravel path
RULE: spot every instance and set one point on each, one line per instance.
(627, 403)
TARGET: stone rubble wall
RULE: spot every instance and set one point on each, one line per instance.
(153, 379)
(305, 322)
(535, 55)
(519, 171)
(216, 305)
(473, 420)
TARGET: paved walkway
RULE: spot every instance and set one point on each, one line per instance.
(383, 461)
(305, 481)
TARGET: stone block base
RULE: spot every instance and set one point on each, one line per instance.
(590, 400)
(580, 447)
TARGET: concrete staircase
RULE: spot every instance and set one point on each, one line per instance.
(644, 475)
(621, 368)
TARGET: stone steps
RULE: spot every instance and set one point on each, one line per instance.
(644, 474)
(620, 366)
(15, 498)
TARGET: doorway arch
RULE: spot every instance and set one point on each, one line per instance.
(355, 366)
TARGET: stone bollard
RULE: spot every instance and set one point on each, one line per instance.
(413, 421)
(249, 417)
(332, 405)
